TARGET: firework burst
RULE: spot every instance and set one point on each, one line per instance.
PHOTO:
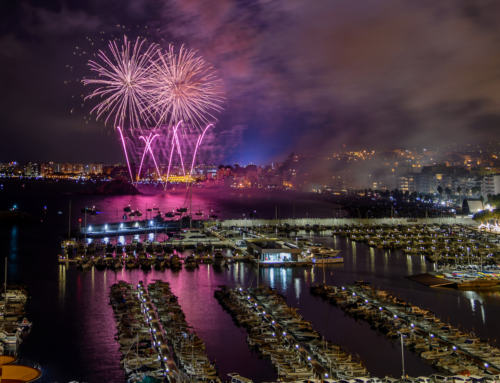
(123, 82)
(183, 88)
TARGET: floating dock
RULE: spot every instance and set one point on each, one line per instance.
(430, 280)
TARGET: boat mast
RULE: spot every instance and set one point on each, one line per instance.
(258, 264)
(85, 225)
(69, 221)
(5, 292)
(190, 204)
(324, 277)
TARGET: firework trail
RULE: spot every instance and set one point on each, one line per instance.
(172, 149)
(123, 82)
(200, 139)
(126, 155)
(183, 88)
(148, 141)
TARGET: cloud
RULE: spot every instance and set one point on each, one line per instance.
(373, 75)
(299, 76)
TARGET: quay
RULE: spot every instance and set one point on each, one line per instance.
(330, 222)
(137, 227)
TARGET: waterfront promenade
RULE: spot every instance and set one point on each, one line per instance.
(347, 221)
(140, 227)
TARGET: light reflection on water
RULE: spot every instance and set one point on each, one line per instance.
(73, 336)
(83, 296)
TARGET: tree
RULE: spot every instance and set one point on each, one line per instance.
(467, 191)
(440, 191)
(448, 192)
(476, 190)
(494, 200)
(459, 190)
(482, 216)
(481, 198)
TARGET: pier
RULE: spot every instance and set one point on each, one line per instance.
(277, 330)
(420, 328)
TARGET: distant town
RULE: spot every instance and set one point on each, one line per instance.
(472, 171)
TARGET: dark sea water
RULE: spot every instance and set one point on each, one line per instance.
(74, 328)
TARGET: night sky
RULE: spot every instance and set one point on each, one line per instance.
(303, 76)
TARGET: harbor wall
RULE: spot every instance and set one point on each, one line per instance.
(137, 227)
(348, 221)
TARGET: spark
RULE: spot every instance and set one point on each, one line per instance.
(122, 81)
(184, 88)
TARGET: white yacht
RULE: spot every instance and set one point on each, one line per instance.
(193, 236)
(325, 255)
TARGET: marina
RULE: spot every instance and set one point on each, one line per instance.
(297, 351)
(86, 292)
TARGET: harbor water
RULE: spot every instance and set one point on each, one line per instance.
(74, 328)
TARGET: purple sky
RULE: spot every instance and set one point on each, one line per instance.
(302, 76)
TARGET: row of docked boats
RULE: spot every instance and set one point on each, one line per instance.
(420, 330)
(147, 247)
(445, 245)
(280, 333)
(13, 319)
(148, 262)
(288, 361)
(134, 334)
(188, 348)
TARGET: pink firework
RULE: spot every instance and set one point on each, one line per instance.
(183, 88)
(123, 82)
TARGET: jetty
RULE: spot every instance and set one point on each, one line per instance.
(280, 333)
(419, 329)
